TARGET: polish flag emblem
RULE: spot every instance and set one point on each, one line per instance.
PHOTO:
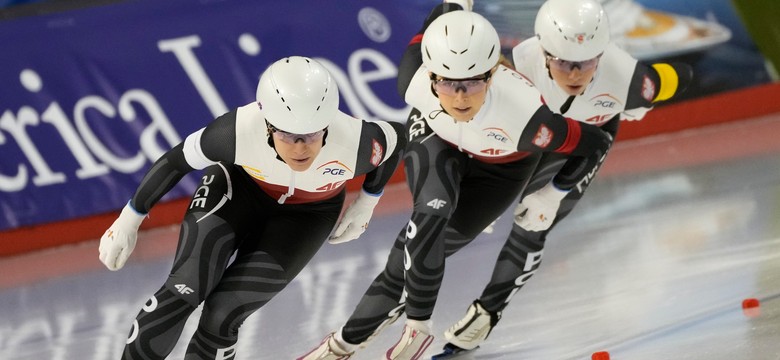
(543, 136)
(377, 153)
(648, 89)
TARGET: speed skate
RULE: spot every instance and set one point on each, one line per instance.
(450, 351)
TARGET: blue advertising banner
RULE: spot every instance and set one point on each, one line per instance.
(91, 97)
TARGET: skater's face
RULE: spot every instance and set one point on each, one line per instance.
(461, 98)
(297, 150)
(571, 76)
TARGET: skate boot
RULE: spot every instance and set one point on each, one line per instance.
(414, 340)
(473, 329)
(328, 349)
(391, 318)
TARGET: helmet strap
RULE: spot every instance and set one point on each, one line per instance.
(432, 76)
(547, 66)
(269, 134)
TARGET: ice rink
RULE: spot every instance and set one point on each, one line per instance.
(654, 263)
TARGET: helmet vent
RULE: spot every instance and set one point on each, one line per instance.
(322, 100)
(466, 51)
(282, 97)
(558, 27)
(299, 94)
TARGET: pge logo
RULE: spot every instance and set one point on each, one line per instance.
(497, 134)
(605, 101)
(334, 168)
(418, 126)
(333, 171)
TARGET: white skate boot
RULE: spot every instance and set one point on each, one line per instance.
(328, 349)
(473, 329)
(390, 320)
(414, 340)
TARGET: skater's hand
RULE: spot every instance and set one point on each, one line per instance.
(356, 218)
(118, 241)
(490, 228)
(635, 114)
(538, 210)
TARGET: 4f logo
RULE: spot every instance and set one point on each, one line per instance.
(331, 186)
(598, 119)
(437, 203)
(493, 152)
(184, 289)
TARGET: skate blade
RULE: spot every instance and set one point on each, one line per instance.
(452, 352)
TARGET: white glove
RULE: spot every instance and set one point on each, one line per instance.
(465, 4)
(119, 240)
(634, 114)
(538, 210)
(356, 218)
(492, 227)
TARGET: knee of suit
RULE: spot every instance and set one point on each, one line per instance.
(461, 231)
(212, 238)
(533, 240)
(394, 268)
(220, 319)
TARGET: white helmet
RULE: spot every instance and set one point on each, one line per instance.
(573, 30)
(459, 45)
(298, 95)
